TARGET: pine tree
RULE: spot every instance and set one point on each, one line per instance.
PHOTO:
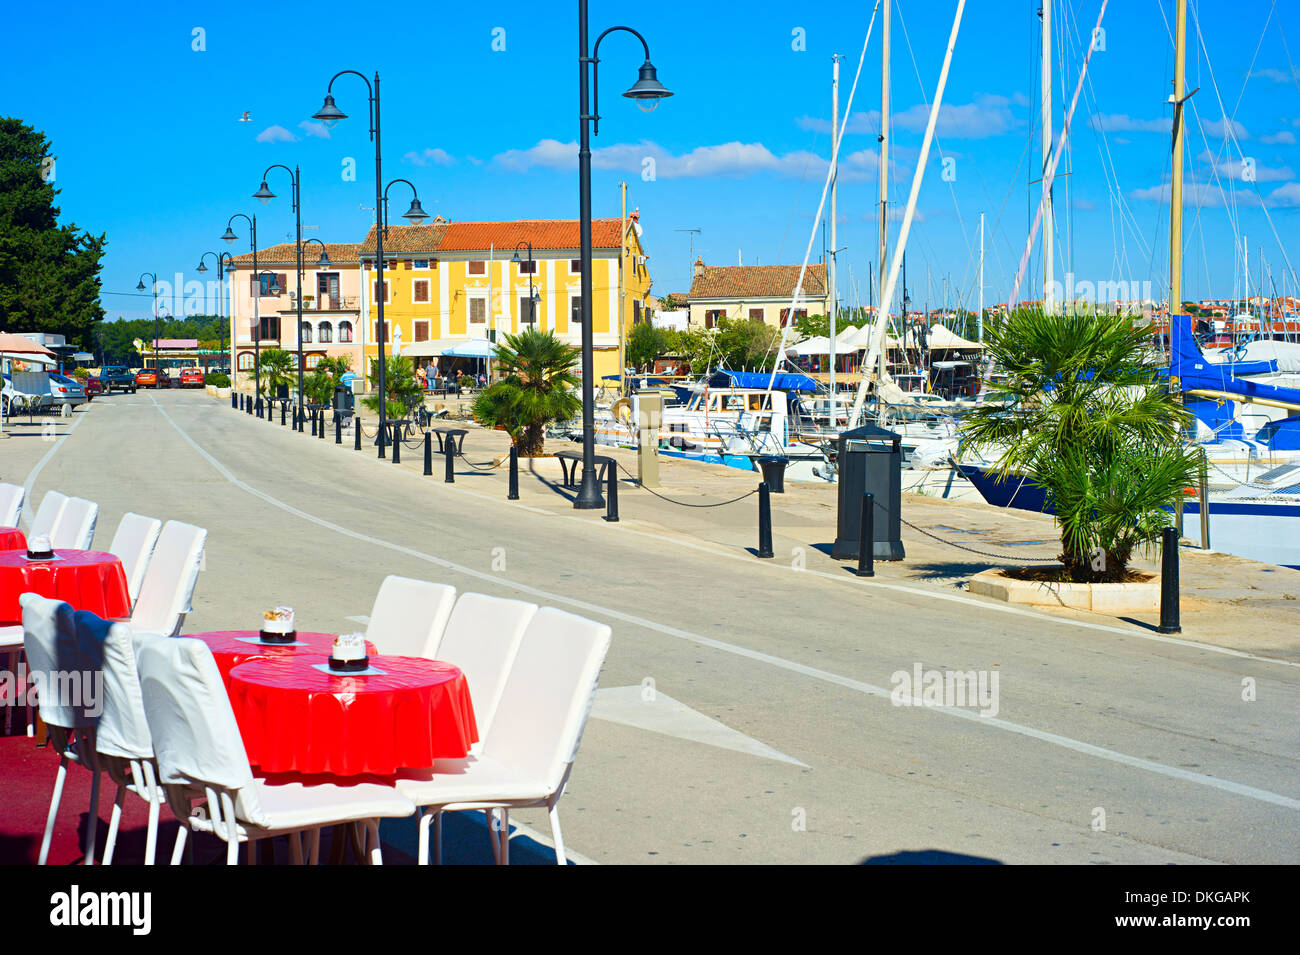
(49, 274)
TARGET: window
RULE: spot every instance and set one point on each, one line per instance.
(575, 310)
(326, 333)
(422, 331)
(575, 266)
(420, 291)
(374, 290)
(798, 313)
(476, 267)
(265, 282)
(527, 310)
(245, 361)
(390, 264)
(636, 312)
(420, 264)
(408, 264)
(711, 317)
(312, 361)
(345, 331)
(388, 330)
(755, 314)
(478, 310)
(305, 332)
(528, 267)
(270, 328)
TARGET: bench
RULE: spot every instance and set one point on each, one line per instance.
(569, 461)
(455, 435)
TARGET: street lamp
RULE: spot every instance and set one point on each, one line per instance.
(154, 288)
(230, 237)
(221, 258)
(265, 195)
(532, 315)
(647, 91)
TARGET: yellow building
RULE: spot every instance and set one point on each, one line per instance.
(449, 282)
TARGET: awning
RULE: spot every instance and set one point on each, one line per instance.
(464, 348)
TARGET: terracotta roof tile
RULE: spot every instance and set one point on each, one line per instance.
(406, 239)
(340, 253)
(547, 234)
(757, 281)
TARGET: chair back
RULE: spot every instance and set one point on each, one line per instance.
(11, 504)
(123, 730)
(75, 527)
(544, 706)
(409, 616)
(47, 515)
(482, 638)
(133, 545)
(168, 584)
(195, 737)
(63, 662)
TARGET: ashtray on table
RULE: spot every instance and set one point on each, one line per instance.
(349, 666)
(269, 636)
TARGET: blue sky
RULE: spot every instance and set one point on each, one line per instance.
(151, 150)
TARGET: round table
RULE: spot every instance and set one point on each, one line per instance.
(296, 718)
(230, 648)
(11, 538)
(86, 579)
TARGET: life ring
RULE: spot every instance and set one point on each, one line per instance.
(621, 409)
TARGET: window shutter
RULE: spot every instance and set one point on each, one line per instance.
(408, 264)
(282, 280)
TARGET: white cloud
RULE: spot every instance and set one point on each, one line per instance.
(276, 134)
(315, 128)
(1236, 169)
(1086, 205)
(427, 157)
(724, 160)
(1281, 138)
(1220, 128)
(1122, 122)
(987, 115)
(1287, 196)
(1277, 76)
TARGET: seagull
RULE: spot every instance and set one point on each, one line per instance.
(246, 118)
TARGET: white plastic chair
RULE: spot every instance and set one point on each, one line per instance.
(75, 527)
(133, 545)
(11, 504)
(47, 515)
(529, 750)
(198, 746)
(409, 616)
(168, 585)
(61, 659)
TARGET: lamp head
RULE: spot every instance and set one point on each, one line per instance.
(140, 287)
(647, 91)
(229, 236)
(329, 114)
(264, 194)
(324, 257)
(416, 213)
(202, 268)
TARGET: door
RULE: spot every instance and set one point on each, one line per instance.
(327, 290)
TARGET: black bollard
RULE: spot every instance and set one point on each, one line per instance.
(867, 537)
(397, 444)
(321, 433)
(382, 440)
(233, 399)
(513, 493)
(449, 449)
(257, 406)
(611, 494)
(338, 429)
(282, 414)
(356, 433)
(248, 406)
(764, 521)
(428, 453)
(1169, 582)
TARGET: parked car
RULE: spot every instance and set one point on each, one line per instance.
(117, 378)
(66, 390)
(192, 377)
(93, 386)
(146, 378)
(19, 400)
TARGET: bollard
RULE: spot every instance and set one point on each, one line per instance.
(449, 449)
(356, 433)
(321, 433)
(313, 422)
(233, 399)
(764, 521)
(282, 414)
(867, 537)
(381, 439)
(513, 493)
(1169, 582)
(611, 498)
(397, 444)
(257, 406)
(248, 406)
(338, 428)
(1203, 504)
(428, 453)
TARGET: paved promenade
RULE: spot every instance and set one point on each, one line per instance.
(745, 710)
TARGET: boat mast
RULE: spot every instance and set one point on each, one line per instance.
(981, 295)
(884, 171)
(830, 264)
(1045, 15)
(1176, 182)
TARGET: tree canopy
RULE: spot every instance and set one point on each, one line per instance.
(49, 274)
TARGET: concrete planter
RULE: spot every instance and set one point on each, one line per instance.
(547, 465)
(1134, 597)
(211, 390)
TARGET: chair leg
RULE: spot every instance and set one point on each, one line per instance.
(55, 798)
(155, 797)
(437, 837)
(504, 857)
(114, 821)
(422, 852)
(232, 851)
(179, 849)
(92, 827)
(313, 856)
(554, 812)
(494, 834)
(252, 852)
(376, 853)
(295, 848)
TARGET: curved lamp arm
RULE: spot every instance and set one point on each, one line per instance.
(594, 59)
(370, 95)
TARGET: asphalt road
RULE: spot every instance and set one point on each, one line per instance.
(784, 744)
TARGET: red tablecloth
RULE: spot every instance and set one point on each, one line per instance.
(295, 718)
(11, 538)
(230, 648)
(87, 579)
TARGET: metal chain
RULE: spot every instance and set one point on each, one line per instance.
(683, 503)
(982, 553)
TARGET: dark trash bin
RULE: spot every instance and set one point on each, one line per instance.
(282, 392)
(343, 398)
(870, 460)
(773, 468)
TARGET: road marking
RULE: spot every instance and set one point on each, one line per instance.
(29, 515)
(857, 686)
(657, 712)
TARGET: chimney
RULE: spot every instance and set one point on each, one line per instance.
(699, 267)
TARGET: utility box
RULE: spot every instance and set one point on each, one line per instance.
(870, 461)
(647, 413)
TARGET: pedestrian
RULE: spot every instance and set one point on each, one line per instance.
(420, 376)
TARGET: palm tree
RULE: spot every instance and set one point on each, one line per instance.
(537, 386)
(1087, 419)
(279, 367)
(404, 392)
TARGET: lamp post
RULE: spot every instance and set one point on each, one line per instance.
(322, 262)
(532, 315)
(230, 237)
(330, 115)
(153, 288)
(647, 91)
(221, 258)
(265, 195)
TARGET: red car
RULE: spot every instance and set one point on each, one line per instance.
(93, 387)
(191, 377)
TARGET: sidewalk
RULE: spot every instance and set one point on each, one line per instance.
(1226, 601)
